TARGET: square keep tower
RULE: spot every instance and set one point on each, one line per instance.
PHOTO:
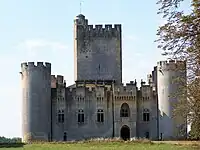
(97, 51)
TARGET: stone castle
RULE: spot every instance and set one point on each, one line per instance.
(98, 104)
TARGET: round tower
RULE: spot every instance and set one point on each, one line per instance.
(168, 74)
(36, 110)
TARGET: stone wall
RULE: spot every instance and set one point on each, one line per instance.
(92, 97)
(97, 51)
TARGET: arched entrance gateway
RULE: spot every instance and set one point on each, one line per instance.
(125, 133)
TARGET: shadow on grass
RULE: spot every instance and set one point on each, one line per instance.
(11, 145)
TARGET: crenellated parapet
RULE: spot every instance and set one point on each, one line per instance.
(171, 65)
(32, 65)
(128, 92)
(84, 30)
(106, 27)
(125, 93)
(57, 80)
(146, 89)
(106, 31)
(131, 84)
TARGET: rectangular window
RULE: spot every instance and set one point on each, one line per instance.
(80, 118)
(100, 116)
(145, 116)
(61, 118)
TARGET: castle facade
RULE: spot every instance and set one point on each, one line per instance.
(98, 104)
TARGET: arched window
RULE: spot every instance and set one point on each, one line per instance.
(80, 116)
(100, 116)
(146, 115)
(125, 111)
(60, 116)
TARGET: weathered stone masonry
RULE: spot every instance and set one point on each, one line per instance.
(98, 104)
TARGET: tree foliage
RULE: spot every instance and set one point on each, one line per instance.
(10, 140)
(179, 39)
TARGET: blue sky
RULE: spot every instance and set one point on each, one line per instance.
(42, 30)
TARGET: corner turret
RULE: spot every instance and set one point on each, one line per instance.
(80, 20)
(36, 85)
(167, 71)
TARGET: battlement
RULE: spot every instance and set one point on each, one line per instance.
(149, 76)
(132, 83)
(126, 90)
(27, 65)
(59, 79)
(99, 30)
(170, 64)
(83, 29)
(106, 27)
(125, 95)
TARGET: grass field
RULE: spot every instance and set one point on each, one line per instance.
(95, 145)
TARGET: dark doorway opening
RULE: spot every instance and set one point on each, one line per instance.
(125, 133)
(65, 136)
(147, 135)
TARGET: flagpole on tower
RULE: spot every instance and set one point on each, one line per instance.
(81, 6)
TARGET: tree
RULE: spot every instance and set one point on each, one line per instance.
(179, 39)
(10, 140)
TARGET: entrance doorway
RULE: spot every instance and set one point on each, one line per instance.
(147, 135)
(125, 133)
(65, 136)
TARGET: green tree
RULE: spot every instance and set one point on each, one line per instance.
(179, 39)
(10, 140)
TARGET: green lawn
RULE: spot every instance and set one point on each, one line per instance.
(105, 146)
